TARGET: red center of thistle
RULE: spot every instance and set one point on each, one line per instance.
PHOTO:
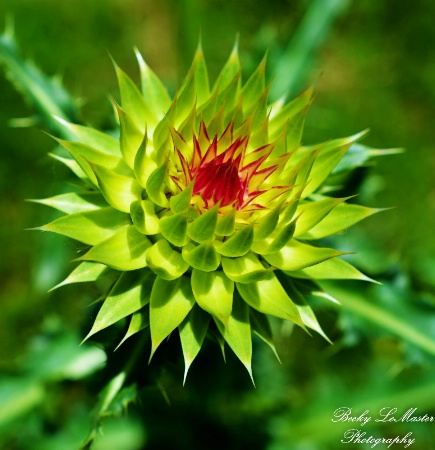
(223, 171)
(219, 182)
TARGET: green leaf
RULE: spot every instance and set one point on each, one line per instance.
(359, 156)
(213, 292)
(202, 229)
(237, 332)
(139, 321)
(181, 202)
(269, 297)
(91, 137)
(129, 294)
(89, 227)
(192, 333)
(296, 255)
(185, 100)
(95, 156)
(153, 91)
(255, 86)
(74, 167)
(202, 85)
(80, 166)
(291, 110)
(230, 69)
(226, 223)
(311, 213)
(74, 202)
(119, 191)
(295, 129)
(267, 224)
(276, 241)
(87, 271)
(307, 314)
(261, 327)
(166, 262)
(340, 218)
(328, 157)
(144, 217)
(144, 165)
(331, 269)
(131, 137)
(133, 103)
(245, 269)
(170, 303)
(174, 227)
(155, 186)
(238, 244)
(202, 257)
(125, 250)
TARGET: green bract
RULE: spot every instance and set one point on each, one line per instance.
(205, 207)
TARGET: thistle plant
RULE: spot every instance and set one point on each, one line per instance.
(206, 208)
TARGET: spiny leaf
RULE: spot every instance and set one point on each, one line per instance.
(192, 333)
(96, 156)
(155, 186)
(75, 202)
(130, 293)
(307, 314)
(340, 218)
(180, 203)
(269, 297)
(166, 262)
(244, 269)
(131, 137)
(139, 321)
(237, 332)
(144, 217)
(230, 69)
(91, 137)
(154, 93)
(255, 86)
(261, 327)
(213, 292)
(202, 86)
(125, 250)
(202, 257)
(90, 227)
(74, 167)
(202, 229)
(313, 212)
(331, 269)
(88, 271)
(170, 303)
(119, 191)
(133, 102)
(174, 229)
(296, 255)
(238, 244)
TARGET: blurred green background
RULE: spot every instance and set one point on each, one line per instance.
(373, 64)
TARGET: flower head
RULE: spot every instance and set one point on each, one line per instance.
(206, 209)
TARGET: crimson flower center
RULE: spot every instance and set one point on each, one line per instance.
(220, 182)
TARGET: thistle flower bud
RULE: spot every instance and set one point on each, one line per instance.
(206, 209)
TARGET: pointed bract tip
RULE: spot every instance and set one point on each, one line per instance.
(153, 350)
(62, 283)
(249, 369)
(235, 49)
